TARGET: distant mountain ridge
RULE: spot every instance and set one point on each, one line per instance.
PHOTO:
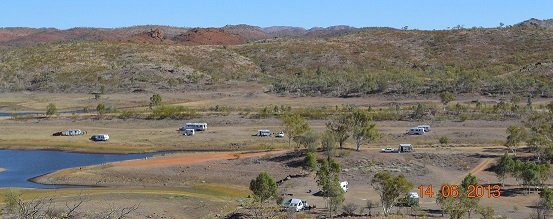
(22, 36)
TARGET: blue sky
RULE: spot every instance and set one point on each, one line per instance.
(415, 14)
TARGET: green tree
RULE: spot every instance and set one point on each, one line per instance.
(101, 109)
(456, 202)
(446, 97)
(364, 129)
(294, 126)
(263, 187)
(545, 203)
(328, 179)
(310, 140)
(328, 143)
(155, 100)
(517, 134)
(540, 135)
(470, 203)
(340, 127)
(505, 165)
(51, 109)
(390, 189)
(310, 162)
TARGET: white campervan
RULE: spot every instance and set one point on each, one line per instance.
(295, 203)
(344, 185)
(415, 131)
(100, 137)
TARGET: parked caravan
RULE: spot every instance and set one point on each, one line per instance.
(415, 131)
(425, 127)
(264, 132)
(405, 148)
(188, 132)
(197, 126)
(73, 132)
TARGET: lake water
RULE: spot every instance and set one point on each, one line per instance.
(23, 165)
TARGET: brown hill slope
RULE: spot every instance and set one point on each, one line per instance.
(536, 23)
(209, 36)
(370, 61)
(247, 31)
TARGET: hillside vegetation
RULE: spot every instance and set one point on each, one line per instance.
(356, 63)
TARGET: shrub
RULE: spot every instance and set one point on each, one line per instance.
(310, 162)
(349, 208)
(444, 140)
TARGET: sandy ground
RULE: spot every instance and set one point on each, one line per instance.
(214, 168)
(220, 169)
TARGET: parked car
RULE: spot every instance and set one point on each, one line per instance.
(387, 150)
(188, 132)
(100, 137)
(280, 134)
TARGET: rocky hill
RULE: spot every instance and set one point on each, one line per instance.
(535, 23)
(335, 61)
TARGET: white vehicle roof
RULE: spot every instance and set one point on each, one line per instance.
(295, 201)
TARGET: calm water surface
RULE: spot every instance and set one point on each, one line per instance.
(22, 165)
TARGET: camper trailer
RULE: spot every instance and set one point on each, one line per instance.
(263, 132)
(73, 132)
(415, 131)
(405, 148)
(197, 126)
(425, 127)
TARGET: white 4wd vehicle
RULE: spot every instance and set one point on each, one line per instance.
(387, 150)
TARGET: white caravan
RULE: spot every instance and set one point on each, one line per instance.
(264, 132)
(197, 126)
(415, 131)
(425, 127)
